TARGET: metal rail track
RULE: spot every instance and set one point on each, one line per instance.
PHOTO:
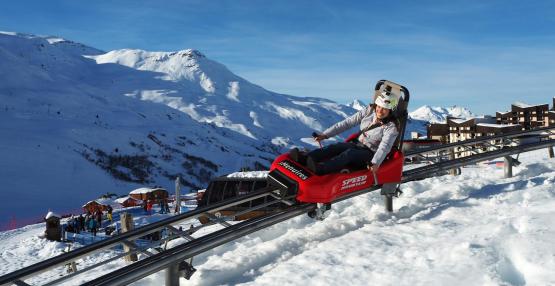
(18, 276)
(484, 139)
(164, 260)
(195, 246)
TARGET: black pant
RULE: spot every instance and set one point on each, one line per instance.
(335, 157)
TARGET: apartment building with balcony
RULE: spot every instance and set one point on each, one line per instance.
(526, 115)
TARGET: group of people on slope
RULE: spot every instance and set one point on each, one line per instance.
(162, 203)
(92, 221)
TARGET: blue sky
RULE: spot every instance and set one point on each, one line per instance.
(483, 55)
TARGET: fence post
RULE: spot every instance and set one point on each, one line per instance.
(550, 148)
(508, 166)
(127, 225)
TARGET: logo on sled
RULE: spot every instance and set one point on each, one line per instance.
(291, 168)
(354, 182)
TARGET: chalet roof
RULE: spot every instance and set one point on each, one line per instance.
(122, 200)
(103, 202)
(52, 214)
(144, 190)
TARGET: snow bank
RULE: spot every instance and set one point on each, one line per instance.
(475, 229)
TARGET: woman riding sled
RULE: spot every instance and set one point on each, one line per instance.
(378, 132)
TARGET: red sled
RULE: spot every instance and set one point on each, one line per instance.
(295, 179)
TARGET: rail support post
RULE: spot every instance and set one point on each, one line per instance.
(177, 195)
(452, 157)
(508, 166)
(389, 190)
(388, 201)
(127, 225)
(172, 275)
(550, 148)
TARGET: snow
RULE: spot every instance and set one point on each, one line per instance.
(52, 214)
(522, 104)
(123, 199)
(142, 191)
(474, 229)
(496, 125)
(459, 121)
(70, 111)
(250, 174)
(477, 228)
(357, 105)
(434, 114)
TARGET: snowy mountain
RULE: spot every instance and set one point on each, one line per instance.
(357, 105)
(434, 114)
(77, 122)
(208, 92)
(424, 115)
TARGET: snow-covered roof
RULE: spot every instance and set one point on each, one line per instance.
(52, 214)
(459, 121)
(525, 105)
(522, 104)
(143, 190)
(190, 196)
(104, 202)
(123, 199)
(251, 174)
(496, 125)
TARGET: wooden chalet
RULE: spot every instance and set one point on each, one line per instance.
(145, 194)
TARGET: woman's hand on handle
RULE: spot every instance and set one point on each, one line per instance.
(319, 137)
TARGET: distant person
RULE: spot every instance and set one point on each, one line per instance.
(167, 205)
(99, 217)
(81, 222)
(149, 206)
(379, 131)
(76, 225)
(93, 226)
(109, 214)
(87, 222)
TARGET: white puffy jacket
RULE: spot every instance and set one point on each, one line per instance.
(379, 140)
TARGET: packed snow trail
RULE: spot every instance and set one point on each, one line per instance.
(473, 229)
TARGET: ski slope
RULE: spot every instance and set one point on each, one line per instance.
(475, 229)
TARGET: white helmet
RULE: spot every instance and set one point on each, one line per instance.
(387, 99)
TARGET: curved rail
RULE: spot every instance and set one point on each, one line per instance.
(63, 259)
(189, 249)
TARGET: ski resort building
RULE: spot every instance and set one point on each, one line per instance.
(525, 115)
(455, 130)
(438, 131)
(148, 194)
(521, 117)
